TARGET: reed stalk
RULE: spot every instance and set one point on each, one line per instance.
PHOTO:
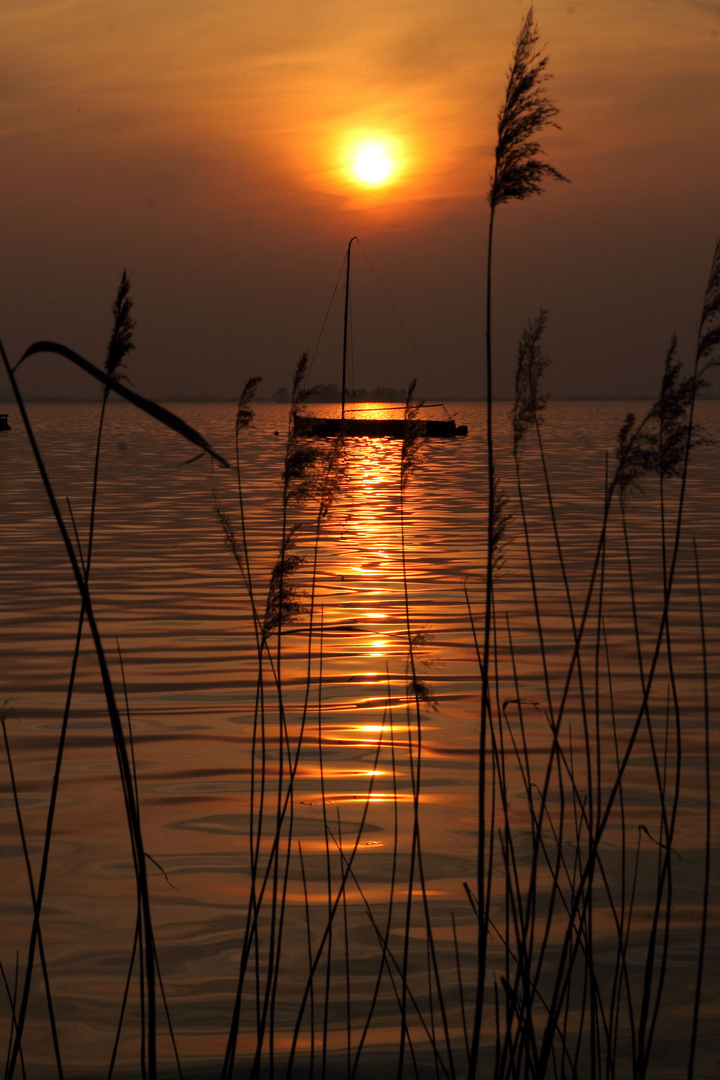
(118, 347)
(519, 173)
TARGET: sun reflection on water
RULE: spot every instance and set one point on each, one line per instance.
(365, 622)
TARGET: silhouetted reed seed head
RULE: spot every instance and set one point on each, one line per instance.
(310, 472)
(244, 415)
(420, 690)
(413, 440)
(708, 349)
(284, 603)
(660, 443)
(334, 462)
(120, 343)
(529, 403)
(501, 520)
(519, 170)
(231, 540)
(299, 395)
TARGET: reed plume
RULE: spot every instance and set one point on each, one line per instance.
(239, 548)
(284, 603)
(302, 458)
(501, 518)
(519, 172)
(413, 439)
(244, 415)
(660, 443)
(120, 343)
(531, 363)
(310, 474)
(708, 347)
(519, 169)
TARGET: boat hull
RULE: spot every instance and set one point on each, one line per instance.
(327, 427)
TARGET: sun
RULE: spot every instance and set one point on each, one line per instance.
(370, 161)
(373, 163)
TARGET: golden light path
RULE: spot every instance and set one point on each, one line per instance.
(367, 561)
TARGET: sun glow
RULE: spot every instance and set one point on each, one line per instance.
(373, 162)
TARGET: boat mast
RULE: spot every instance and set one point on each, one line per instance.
(345, 329)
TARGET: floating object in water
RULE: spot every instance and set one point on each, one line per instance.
(370, 427)
(328, 426)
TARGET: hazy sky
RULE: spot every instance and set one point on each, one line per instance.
(207, 147)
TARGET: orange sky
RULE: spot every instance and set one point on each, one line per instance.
(206, 147)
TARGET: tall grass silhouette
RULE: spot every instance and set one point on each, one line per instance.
(572, 907)
(519, 173)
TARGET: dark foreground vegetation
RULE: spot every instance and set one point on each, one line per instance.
(572, 901)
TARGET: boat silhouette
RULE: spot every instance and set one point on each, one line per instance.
(365, 426)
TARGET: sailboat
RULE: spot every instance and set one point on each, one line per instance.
(358, 426)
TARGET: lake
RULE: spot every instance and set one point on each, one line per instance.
(337, 782)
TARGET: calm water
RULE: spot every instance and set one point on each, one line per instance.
(171, 603)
